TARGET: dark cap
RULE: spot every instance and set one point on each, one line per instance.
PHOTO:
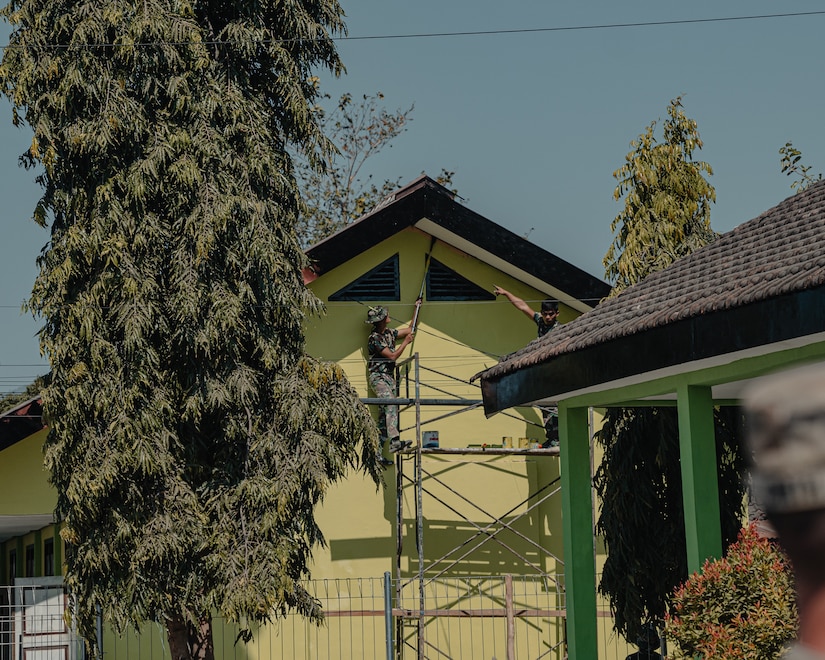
(786, 435)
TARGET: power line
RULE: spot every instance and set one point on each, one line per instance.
(571, 28)
(424, 35)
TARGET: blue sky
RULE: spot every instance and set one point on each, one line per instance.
(534, 124)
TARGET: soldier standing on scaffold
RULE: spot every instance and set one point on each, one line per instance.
(382, 356)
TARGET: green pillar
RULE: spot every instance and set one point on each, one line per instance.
(700, 488)
(577, 526)
(38, 553)
(58, 551)
(20, 558)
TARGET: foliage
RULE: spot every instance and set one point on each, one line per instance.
(792, 167)
(639, 483)
(32, 390)
(667, 201)
(337, 194)
(738, 607)
(666, 215)
(191, 436)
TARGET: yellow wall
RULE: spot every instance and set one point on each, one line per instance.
(24, 487)
(456, 339)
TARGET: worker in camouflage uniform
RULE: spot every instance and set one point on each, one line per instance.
(382, 356)
(546, 320)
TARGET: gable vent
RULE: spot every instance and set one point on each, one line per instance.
(445, 284)
(380, 283)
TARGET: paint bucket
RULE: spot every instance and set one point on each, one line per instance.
(507, 442)
(523, 443)
(429, 439)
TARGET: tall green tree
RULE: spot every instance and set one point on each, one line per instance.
(666, 215)
(339, 192)
(667, 201)
(191, 437)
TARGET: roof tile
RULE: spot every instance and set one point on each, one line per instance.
(779, 252)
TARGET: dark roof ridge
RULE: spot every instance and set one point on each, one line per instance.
(420, 182)
(426, 199)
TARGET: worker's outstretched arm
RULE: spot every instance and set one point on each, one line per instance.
(518, 303)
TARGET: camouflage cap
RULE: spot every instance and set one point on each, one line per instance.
(376, 314)
(786, 436)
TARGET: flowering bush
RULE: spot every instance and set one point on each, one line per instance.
(738, 607)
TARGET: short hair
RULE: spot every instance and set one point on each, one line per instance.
(549, 306)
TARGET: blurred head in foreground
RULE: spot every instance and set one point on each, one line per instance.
(786, 443)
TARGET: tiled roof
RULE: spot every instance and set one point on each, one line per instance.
(781, 251)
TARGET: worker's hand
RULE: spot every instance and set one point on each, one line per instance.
(409, 337)
(499, 291)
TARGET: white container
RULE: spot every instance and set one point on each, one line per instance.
(429, 439)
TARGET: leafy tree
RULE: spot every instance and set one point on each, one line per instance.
(667, 201)
(666, 216)
(741, 606)
(639, 483)
(337, 194)
(792, 167)
(191, 437)
(33, 389)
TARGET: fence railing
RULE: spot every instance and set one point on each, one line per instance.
(503, 617)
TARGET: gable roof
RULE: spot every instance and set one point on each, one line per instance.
(759, 284)
(432, 208)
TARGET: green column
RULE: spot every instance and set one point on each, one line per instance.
(20, 557)
(577, 525)
(38, 553)
(700, 489)
(58, 551)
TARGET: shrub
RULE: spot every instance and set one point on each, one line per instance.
(739, 607)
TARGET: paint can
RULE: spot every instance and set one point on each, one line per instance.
(429, 439)
(523, 443)
(507, 442)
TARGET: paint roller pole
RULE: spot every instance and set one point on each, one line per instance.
(414, 322)
(420, 299)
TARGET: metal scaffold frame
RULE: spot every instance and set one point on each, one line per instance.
(409, 374)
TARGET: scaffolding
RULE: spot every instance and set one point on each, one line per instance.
(414, 612)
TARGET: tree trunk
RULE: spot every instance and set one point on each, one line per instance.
(188, 641)
(201, 639)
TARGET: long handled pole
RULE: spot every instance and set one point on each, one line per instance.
(420, 299)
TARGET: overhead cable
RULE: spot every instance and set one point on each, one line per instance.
(425, 35)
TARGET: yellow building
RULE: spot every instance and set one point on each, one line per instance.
(480, 502)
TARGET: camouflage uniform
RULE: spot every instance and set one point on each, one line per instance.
(382, 380)
(543, 328)
(550, 414)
